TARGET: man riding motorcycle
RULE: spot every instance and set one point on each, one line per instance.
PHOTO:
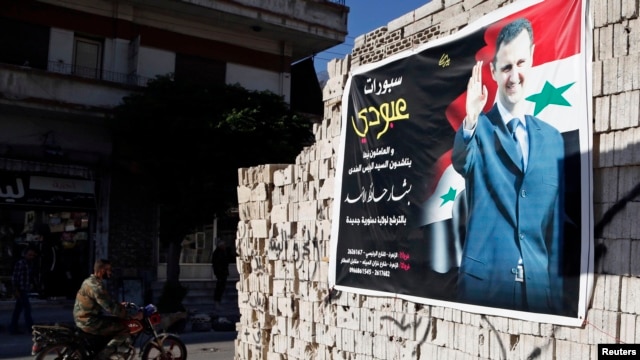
(95, 312)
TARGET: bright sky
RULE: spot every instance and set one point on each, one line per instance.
(365, 16)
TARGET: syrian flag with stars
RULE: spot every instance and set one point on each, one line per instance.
(398, 217)
(556, 88)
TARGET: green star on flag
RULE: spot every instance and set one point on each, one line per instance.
(548, 96)
(449, 196)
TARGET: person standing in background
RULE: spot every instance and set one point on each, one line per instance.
(220, 264)
(22, 281)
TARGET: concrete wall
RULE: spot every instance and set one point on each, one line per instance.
(288, 311)
(259, 79)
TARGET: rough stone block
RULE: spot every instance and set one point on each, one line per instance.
(628, 324)
(348, 317)
(347, 340)
(573, 350)
(307, 330)
(613, 292)
(597, 75)
(630, 295)
(307, 210)
(603, 327)
(634, 35)
(602, 113)
(618, 256)
(244, 194)
(610, 76)
(635, 248)
(259, 228)
(428, 351)
(605, 151)
(283, 176)
(279, 213)
(380, 343)
(333, 88)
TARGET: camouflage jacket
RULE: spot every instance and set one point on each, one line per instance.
(92, 301)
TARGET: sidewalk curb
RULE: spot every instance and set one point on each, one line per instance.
(38, 304)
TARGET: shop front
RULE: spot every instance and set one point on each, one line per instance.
(196, 252)
(54, 213)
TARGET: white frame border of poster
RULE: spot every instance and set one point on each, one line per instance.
(585, 138)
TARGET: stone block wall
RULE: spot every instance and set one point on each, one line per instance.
(287, 308)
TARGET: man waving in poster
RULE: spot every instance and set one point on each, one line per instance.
(512, 163)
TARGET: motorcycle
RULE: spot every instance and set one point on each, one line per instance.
(68, 342)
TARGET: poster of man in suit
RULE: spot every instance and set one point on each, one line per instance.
(442, 200)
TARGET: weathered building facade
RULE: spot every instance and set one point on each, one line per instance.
(289, 311)
(66, 64)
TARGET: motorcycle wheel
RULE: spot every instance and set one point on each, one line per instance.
(174, 349)
(59, 352)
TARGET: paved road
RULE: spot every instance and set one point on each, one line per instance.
(201, 345)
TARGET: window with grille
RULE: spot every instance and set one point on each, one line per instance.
(87, 55)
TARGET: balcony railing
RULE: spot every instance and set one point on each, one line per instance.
(98, 74)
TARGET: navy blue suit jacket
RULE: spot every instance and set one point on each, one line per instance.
(513, 214)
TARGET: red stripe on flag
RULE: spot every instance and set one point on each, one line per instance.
(557, 25)
(439, 168)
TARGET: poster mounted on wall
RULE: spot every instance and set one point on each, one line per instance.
(464, 170)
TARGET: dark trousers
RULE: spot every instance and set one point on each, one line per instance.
(22, 304)
(221, 283)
